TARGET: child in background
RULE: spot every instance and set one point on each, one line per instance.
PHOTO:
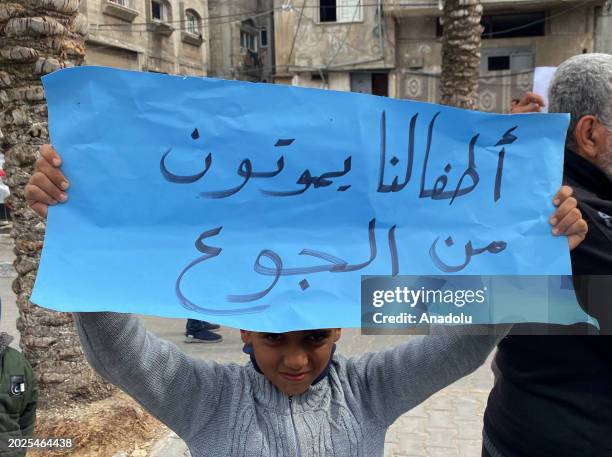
(18, 399)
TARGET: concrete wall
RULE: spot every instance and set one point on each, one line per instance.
(417, 43)
(603, 29)
(419, 56)
(126, 38)
(191, 56)
(567, 34)
(111, 57)
(303, 43)
(340, 81)
(411, 49)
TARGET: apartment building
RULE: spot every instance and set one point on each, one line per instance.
(393, 47)
(166, 36)
(225, 39)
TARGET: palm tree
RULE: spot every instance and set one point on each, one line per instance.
(461, 53)
(39, 36)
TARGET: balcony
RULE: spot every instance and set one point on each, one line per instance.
(160, 28)
(121, 9)
(411, 8)
(408, 8)
(192, 38)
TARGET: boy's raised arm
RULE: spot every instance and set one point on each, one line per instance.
(179, 390)
(393, 381)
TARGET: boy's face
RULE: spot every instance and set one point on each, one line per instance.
(292, 360)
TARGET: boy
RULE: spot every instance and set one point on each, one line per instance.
(296, 397)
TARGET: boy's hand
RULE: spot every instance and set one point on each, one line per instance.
(529, 103)
(48, 184)
(567, 219)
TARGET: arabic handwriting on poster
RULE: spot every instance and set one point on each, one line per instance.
(307, 179)
(325, 179)
(264, 204)
(334, 265)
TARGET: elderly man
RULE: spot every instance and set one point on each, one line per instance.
(553, 394)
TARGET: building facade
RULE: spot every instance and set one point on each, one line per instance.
(518, 36)
(339, 45)
(241, 39)
(603, 28)
(393, 47)
(225, 39)
(165, 36)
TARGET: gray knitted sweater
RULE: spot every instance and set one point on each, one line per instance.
(232, 410)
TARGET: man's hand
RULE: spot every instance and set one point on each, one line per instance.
(567, 219)
(48, 185)
(529, 103)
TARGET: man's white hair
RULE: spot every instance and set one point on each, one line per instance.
(582, 85)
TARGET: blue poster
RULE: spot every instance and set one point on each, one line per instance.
(260, 206)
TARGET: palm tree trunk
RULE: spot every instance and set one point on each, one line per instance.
(461, 53)
(39, 36)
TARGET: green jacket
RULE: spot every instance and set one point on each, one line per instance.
(18, 397)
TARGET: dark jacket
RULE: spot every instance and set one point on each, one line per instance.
(18, 397)
(553, 395)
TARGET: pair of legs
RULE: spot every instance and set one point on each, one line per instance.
(200, 332)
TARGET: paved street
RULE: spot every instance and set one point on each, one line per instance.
(447, 425)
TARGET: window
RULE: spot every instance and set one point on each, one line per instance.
(158, 11)
(328, 10)
(370, 83)
(248, 35)
(509, 25)
(499, 59)
(380, 84)
(514, 25)
(340, 10)
(321, 76)
(192, 22)
(263, 38)
(248, 41)
(497, 63)
(120, 2)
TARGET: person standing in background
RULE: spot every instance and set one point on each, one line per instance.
(18, 399)
(200, 332)
(553, 393)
